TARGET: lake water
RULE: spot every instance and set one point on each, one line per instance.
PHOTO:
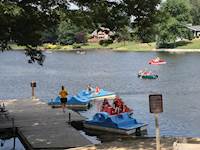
(178, 82)
(10, 144)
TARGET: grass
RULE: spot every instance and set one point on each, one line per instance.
(132, 46)
(120, 46)
(194, 44)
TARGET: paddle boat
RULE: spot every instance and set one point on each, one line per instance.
(97, 94)
(147, 75)
(73, 102)
(122, 123)
(157, 61)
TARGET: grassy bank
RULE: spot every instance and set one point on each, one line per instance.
(121, 46)
(194, 44)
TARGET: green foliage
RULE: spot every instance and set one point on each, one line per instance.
(105, 42)
(94, 14)
(66, 33)
(124, 34)
(195, 4)
(145, 16)
(23, 22)
(175, 14)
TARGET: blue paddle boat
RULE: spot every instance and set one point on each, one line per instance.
(122, 123)
(93, 95)
(73, 102)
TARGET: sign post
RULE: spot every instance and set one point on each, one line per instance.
(33, 85)
(156, 107)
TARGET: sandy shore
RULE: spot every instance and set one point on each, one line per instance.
(141, 144)
(177, 50)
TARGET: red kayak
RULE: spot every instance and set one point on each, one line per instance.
(157, 62)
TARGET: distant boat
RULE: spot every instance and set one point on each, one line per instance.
(81, 52)
(122, 123)
(147, 75)
(157, 61)
(48, 52)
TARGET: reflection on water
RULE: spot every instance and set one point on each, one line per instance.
(178, 82)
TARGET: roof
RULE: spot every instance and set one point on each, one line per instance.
(194, 28)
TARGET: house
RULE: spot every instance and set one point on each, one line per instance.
(195, 30)
(99, 34)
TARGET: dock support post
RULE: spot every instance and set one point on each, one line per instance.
(33, 85)
(13, 126)
(69, 118)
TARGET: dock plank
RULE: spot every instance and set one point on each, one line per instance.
(44, 127)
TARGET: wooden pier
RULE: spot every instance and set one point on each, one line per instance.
(41, 127)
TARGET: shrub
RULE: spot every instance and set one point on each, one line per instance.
(76, 46)
(105, 42)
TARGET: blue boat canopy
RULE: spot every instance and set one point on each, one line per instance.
(93, 94)
(72, 100)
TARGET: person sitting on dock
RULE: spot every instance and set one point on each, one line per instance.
(63, 97)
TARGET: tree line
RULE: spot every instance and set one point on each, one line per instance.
(30, 22)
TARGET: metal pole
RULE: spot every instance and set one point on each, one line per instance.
(69, 121)
(33, 93)
(157, 133)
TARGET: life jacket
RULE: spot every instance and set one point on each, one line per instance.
(97, 89)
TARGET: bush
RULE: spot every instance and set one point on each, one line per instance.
(76, 46)
(51, 46)
(105, 42)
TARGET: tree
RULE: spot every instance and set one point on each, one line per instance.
(195, 4)
(124, 34)
(23, 21)
(98, 13)
(175, 14)
(144, 17)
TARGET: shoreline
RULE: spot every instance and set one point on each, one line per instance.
(149, 143)
(115, 50)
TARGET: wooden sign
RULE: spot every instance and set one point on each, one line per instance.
(155, 103)
(33, 84)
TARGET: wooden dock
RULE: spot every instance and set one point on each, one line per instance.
(41, 127)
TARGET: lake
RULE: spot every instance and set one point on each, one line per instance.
(178, 82)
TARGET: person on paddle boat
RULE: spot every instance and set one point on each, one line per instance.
(63, 97)
(125, 108)
(157, 59)
(141, 72)
(97, 90)
(118, 104)
(105, 105)
(89, 88)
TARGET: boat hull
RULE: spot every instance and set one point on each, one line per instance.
(148, 76)
(73, 107)
(115, 130)
(74, 102)
(122, 123)
(161, 62)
